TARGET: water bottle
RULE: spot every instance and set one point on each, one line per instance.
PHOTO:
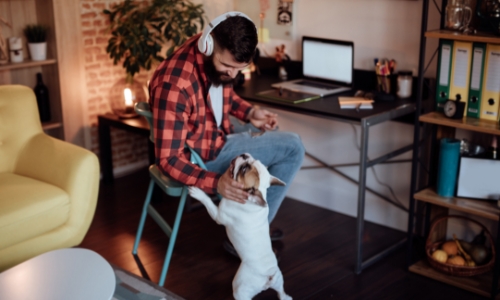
(42, 98)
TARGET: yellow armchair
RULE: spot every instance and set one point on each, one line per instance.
(48, 187)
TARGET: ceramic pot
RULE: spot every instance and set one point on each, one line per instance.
(38, 51)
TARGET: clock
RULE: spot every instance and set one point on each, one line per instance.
(454, 109)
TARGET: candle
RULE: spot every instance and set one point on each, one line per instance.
(127, 93)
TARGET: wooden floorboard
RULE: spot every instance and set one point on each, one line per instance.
(317, 253)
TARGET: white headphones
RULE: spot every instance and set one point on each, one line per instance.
(206, 42)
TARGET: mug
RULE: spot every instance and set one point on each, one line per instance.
(458, 14)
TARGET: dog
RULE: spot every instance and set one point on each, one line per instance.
(247, 228)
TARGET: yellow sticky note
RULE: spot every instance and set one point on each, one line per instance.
(263, 34)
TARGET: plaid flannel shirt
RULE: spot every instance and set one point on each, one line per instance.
(182, 114)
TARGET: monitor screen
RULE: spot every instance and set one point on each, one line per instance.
(328, 59)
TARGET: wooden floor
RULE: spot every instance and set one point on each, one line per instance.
(317, 255)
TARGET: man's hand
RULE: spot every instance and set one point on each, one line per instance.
(263, 119)
(231, 189)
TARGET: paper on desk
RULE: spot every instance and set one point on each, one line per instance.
(355, 102)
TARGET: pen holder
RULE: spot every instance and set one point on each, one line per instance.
(386, 83)
(449, 156)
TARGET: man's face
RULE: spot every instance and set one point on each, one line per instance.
(221, 67)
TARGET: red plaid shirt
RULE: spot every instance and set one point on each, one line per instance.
(182, 114)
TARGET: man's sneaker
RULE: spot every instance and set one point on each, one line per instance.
(276, 234)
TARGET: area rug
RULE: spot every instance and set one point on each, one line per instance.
(132, 287)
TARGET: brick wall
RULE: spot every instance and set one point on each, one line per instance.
(101, 75)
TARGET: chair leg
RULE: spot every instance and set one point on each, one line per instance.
(175, 229)
(143, 216)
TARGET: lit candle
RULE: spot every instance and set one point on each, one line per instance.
(127, 93)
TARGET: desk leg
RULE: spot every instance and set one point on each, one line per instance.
(361, 196)
(105, 153)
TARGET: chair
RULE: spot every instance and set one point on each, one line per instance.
(171, 188)
(48, 187)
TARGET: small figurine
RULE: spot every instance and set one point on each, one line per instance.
(281, 57)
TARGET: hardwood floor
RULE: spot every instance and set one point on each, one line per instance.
(317, 255)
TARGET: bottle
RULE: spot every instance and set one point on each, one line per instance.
(42, 98)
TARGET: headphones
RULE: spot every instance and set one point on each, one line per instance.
(206, 42)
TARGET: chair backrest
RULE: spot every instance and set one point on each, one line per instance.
(19, 122)
(143, 109)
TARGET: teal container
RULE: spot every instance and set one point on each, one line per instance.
(449, 157)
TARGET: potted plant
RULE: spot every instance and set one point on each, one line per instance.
(140, 29)
(36, 35)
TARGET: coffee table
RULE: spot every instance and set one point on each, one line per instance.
(72, 273)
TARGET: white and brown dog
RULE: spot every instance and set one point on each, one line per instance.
(247, 227)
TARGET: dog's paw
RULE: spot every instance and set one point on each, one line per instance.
(197, 193)
(286, 298)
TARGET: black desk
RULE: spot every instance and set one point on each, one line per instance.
(105, 122)
(328, 107)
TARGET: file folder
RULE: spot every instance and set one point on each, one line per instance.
(460, 72)
(476, 80)
(444, 70)
(491, 83)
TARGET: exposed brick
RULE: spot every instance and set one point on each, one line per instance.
(97, 23)
(99, 6)
(88, 42)
(105, 73)
(93, 50)
(86, 24)
(89, 15)
(85, 5)
(101, 40)
(102, 57)
(90, 32)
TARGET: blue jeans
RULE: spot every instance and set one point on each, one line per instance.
(281, 152)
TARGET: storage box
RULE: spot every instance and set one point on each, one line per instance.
(479, 178)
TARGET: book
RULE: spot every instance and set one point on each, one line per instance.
(355, 103)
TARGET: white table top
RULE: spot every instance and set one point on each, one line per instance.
(73, 273)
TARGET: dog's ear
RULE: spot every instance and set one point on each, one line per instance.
(256, 197)
(276, 181)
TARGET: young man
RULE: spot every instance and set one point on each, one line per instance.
(192, 97)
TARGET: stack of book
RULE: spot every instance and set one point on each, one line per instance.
(355, 103)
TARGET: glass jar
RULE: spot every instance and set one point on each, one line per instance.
(405, 80)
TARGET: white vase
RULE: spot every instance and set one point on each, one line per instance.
(38, 51)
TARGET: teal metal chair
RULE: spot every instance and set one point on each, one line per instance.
(171, 188)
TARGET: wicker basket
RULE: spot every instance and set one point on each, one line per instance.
(431, 246)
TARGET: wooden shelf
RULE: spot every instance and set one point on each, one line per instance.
(457, 36)
(51, 125)
(27, 64)
(479, 284)
(483, 208)
(472, 124)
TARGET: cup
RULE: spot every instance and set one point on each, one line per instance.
(449, 157)
(458, 14)
(16, 49)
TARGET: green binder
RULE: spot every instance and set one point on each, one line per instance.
(444, 73)
(476, 80)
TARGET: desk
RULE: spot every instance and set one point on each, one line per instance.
(328, 107)
(105, 122)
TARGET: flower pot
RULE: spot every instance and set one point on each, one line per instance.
(38, 51)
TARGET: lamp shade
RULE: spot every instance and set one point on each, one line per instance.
(124, 94)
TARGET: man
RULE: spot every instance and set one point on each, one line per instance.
(192, 97)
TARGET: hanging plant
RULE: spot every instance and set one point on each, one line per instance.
(139, 29)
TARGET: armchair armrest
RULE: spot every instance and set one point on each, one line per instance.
(69, 167)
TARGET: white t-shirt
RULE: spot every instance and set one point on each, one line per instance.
(216, 98)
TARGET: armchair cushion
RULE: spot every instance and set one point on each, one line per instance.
(29, 208)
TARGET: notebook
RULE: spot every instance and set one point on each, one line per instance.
(327, 67)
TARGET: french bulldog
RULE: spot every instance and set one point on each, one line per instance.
(247, 228)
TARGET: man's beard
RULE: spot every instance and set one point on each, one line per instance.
(213, 75)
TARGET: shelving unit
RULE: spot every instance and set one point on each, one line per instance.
(484, 284)
(62, 72)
